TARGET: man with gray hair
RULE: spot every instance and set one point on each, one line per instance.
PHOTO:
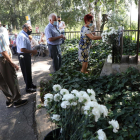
(8, 78)
(24, 55)
(54, 39)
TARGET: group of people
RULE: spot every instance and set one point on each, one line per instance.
(42, 44)
(54, 34)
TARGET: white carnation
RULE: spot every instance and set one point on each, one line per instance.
(86, 98)
(57, 97)
(55, 117)
(74, 91)
(56, 87)
(90, 92)
(73, 104)
(80, 97)
(90, 103)
(46, 103)
(64, 91)
(96, 114)
(65, 104)
(104, 110)
(115, 125)
(48, 97)
(21, 56)
(68, 97)
(82, 92)
(101, 135)
(92, 98)
(109, 58)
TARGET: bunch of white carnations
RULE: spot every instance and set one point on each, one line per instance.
(81, 101)
(109, 58)
(111, 33)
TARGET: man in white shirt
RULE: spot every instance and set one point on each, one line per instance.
(24, 55)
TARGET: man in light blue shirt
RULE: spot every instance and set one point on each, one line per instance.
(54, 39)
(24, 55)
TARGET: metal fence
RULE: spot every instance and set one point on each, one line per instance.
(76, 34)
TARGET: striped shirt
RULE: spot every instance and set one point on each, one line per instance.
(3, 46)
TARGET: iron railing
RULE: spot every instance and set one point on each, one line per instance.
(76, 34)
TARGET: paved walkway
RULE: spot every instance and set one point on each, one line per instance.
(19, 123)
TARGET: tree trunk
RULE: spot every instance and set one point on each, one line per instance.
(98, 22)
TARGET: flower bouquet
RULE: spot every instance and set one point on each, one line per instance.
(73, 112)
(112, 37)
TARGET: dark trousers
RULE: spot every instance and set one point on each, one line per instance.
(25, 64)
(14, 49)
(9, 81)
(55, 54)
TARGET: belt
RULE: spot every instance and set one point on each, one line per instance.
(24, 54)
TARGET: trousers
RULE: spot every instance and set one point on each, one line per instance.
(55, 54)
(9, 81)
(25, 64)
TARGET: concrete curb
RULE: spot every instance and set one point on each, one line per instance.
(42, 120)
(43, 123)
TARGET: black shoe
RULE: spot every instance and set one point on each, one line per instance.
(9, 104)
(33, 86)
(20, 103)
(30, 90)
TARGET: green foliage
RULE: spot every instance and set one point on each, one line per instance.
(129, 46)
(120, 92)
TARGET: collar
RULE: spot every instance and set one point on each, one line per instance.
(25, 33)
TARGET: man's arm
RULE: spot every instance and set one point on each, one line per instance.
(28, 51)
(48, 35)
(7, 57)
(56, 38)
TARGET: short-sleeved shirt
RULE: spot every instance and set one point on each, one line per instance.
(62, 23)
(4, 46)
(52, 31)
(84, 45)
(23, 41)
(33, 43)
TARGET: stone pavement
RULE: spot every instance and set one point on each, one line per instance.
(19, 123)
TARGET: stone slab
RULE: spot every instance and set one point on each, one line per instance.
(115, 68)
(124, 67)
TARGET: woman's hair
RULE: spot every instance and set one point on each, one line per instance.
(88, 17)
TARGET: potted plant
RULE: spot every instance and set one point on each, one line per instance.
(73, 112)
